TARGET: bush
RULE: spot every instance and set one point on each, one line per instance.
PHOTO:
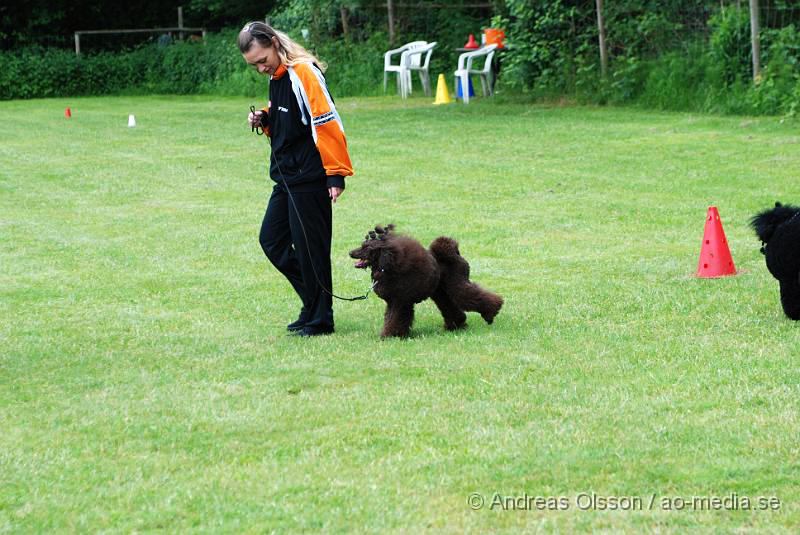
(729, 46)
(182, 68)
(776, 91)
(675, 81)
(215, 67)
(354, 68)
(552, 53)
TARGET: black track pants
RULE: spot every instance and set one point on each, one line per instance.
(284, 243)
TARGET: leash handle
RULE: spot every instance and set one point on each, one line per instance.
(256, 128)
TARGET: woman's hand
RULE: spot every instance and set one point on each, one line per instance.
(334, 193)
(254, 119)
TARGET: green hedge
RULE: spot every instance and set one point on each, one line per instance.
(710, 77)
(708, 71)
(182, 68)
(215, 67)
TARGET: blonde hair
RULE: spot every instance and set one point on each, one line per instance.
(289, 51)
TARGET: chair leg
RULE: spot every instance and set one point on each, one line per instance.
(385, 80)
(426, 82)
(465, 87)
(483, 85)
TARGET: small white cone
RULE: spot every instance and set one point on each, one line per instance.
(131, 121)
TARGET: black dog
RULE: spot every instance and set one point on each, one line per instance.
(405, 273)
(779, 231)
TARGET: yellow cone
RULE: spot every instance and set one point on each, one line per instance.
(442, 94)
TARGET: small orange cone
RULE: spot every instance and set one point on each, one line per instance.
(715, 256)
(68, 113)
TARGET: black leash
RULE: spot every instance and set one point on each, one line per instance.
(258, 130)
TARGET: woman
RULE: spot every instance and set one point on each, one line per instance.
(308, 164)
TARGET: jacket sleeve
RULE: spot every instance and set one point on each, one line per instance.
(335, 181)
(325, 122)
(264, 121)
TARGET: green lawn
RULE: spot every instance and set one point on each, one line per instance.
(147, 383)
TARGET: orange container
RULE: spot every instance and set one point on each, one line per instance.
(494, 35)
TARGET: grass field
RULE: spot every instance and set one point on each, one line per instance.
(147, 383)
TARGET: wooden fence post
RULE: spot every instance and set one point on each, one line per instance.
(754, 33)
(180, 21)
(345, 25)
(601, 30)
(390, 7)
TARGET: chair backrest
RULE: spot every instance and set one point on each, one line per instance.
(387, 57)
(413, 56)
(487, 51)
(414, 44)
(488, 63)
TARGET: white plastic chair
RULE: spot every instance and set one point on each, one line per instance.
(465, 69)
(413, 61)
(399, 69)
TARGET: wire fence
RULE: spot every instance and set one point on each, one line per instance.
(686, 25)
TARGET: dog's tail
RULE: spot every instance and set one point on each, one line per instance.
(455, 284)
(444, 249)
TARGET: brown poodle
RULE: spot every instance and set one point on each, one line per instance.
(405, 273)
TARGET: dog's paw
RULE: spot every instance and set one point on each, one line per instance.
(454, 324)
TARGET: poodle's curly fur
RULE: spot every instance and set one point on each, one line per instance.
(779, 231)
(405, 273)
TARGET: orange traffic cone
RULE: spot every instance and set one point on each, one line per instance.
(715, 256)
(68, 113)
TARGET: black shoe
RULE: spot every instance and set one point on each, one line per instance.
(299, 323)
(313, 331)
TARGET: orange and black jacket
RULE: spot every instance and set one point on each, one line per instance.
(309, 150)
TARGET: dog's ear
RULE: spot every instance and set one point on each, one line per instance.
(763, 224)
(386, 259)
(767, 222)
